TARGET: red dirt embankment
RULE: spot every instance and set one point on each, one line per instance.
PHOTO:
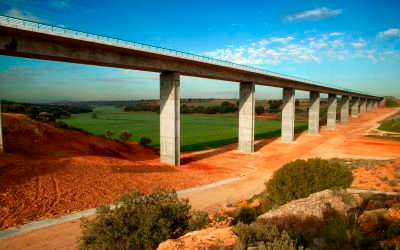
(48, 171)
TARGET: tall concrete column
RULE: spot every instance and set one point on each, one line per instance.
(363, 105)
(375, 104)
(1, 133)
(170, 118)
(332, 105)
(344, 110)
(355, 103)
(246, 117)
(288, 114)
(369, 105)
(313, 113)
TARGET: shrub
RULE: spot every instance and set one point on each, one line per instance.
(144, 141)
(140, 222)
(198, 220)
(393, 230)
(283, 242)
(245, 215)
(342, 230)
(300, 178)
(220, 218)
(124, 135)
(259, 110)
(255, 232)
(108, 134)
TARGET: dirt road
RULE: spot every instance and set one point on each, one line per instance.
(346, 141)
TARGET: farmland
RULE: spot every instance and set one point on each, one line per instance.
(198, 131)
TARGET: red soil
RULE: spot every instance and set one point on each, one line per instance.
(48, 171)
(383, 178)
(87, 177)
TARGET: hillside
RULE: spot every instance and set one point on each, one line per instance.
(48, 171)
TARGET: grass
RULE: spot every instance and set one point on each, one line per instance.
(198, 131)
(391, 124)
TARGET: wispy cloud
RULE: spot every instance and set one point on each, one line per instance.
(14, 12)
(389, 33)
(283, 40)
(314, 49)
(358, 44)
(314, 14)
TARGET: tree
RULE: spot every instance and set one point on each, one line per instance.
(259, 110)
(108, 134)
(124, 135)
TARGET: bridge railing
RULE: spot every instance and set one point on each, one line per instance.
(158, 50)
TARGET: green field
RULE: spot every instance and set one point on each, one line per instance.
(198, 131)
(391, 124)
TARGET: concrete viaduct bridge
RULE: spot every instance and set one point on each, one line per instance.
(22, 38)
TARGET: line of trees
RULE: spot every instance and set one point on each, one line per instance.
(48, 112)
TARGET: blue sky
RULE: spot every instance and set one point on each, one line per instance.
(353, 44)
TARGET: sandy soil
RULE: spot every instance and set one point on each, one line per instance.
(89, 179)
(378, 177)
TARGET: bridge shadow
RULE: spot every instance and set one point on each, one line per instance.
(142, 168)
(229, 144)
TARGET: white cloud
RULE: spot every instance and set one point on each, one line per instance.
(314, 14)
(14, 12)
(313, 49)
(336, 34)
(389, 33)
(358, 44)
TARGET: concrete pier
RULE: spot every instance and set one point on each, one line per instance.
(375, 104)
(246, 117)
(355, 104)
(363, 105)
(288, 114)
(369, 105)
(313, 113)
(170, 118)
(344, 110)
(332, 105)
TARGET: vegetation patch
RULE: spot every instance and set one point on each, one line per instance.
(391, 124)
(140, 222)
(300, 178)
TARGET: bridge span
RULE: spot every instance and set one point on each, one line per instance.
(22, 38)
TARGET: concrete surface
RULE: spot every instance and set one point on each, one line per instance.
(313, 113)
(363, 105)
(344, 110)
(355, 104)
(246, 117)
(288, 114)
(170, 118)
(332, 107)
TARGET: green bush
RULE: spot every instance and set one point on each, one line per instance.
(245, 215)
(342, 230)
(393, 230)
(391, 101)
(140, 222)
(283, 242)
(300, 178)
(259, 110)
(198, 220)
(108, 134)
(255, 232)
(144, 141)
(124, 135)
